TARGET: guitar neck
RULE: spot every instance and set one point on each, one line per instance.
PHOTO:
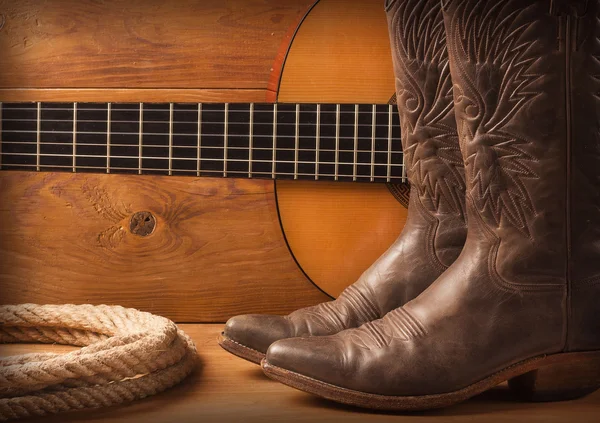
(340, 142)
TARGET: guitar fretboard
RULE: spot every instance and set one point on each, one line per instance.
(342, 142)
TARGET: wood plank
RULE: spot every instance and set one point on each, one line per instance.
(228, 389)
(142, 43)
(134, 95)
(66, 238)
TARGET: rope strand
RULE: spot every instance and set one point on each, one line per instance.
(126, 355)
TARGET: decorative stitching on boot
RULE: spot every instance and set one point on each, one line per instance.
(361, 304)
(397, 324)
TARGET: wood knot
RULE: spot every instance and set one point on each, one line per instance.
(142, 223)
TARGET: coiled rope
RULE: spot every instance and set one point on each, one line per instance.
(127, 355)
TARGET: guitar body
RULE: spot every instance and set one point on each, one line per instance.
(340, 54)
(197, 249)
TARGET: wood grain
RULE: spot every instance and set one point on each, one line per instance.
(142, 43)
(282, 53)
(133, 95)
(217, 249)
(228, 389)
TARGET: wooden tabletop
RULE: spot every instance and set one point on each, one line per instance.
(227, 389)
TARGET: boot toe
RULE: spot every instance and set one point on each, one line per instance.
(257, 331)
(315, 357)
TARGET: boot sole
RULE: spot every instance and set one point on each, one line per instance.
(573, 375)
(240, 350)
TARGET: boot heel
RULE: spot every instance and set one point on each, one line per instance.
(566, 380)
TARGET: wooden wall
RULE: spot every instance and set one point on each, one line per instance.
(147, 50)
(66, 237)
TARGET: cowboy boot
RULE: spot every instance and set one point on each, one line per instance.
(521, 301)
(435, 229)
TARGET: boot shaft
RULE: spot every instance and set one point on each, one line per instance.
(526, 85)
(584, 26)
(432, 156)
(583, 22)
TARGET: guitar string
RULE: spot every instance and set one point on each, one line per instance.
(269, 111)
(180, 134)
(245, 112)
(83, 146)
(136, 122)
(191, 148)
(205, 171)
(215, 159)
(194, 123)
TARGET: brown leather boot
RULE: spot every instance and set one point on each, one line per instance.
(435, 230)
(522, 302)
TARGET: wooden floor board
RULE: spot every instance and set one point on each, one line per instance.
(228, 389)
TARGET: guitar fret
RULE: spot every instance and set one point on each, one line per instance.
(389, 152)
(354, 165)
(317, 141)
(74, 136)
(225, 129)
(296, 141)
(199, 143)
(337, 141)
(373, 117)
(274, 139)
(38, 136)
(140, 138)
(108, 128)
(170, 164)
(1, 159)
(250, 139)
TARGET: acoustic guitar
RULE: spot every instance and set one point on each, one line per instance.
(326, 138)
